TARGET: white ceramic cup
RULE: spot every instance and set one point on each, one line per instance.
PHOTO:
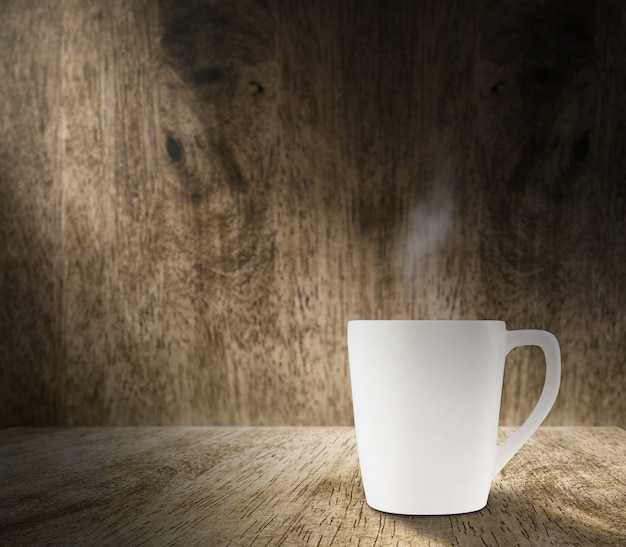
(426, 398)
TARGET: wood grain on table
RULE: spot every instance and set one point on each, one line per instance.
(289, 486)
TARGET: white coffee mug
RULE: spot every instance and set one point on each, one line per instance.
(426, 398)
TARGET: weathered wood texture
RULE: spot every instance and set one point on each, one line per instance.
(288, 486)
(195, 197)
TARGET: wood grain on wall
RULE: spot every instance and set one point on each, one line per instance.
(196, 197)
(31, 247)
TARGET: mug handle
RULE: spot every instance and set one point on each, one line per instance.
(550, 346)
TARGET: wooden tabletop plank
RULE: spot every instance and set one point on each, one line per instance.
(288, 486)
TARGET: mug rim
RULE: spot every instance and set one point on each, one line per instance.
(426, 321)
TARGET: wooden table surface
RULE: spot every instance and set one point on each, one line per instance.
(288, 486)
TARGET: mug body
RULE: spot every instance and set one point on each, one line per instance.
(426, 397)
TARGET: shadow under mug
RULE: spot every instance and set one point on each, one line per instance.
(426, 397)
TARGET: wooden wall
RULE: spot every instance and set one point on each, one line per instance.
(195, 197)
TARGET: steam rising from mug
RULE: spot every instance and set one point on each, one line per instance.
(430, 220)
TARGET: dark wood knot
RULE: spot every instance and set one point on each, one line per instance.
(174, 148)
